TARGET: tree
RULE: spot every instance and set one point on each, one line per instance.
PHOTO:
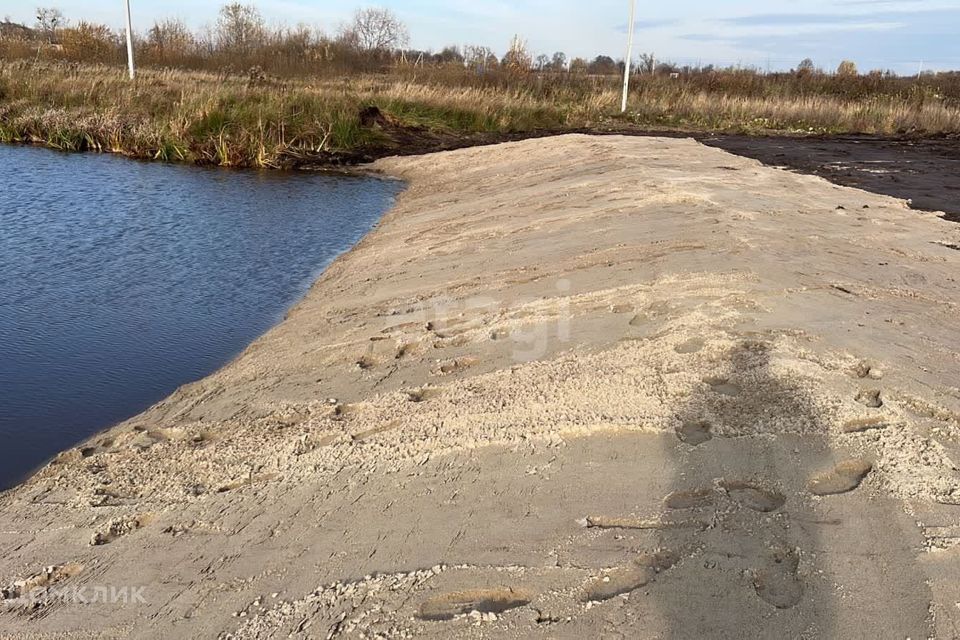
(517, 59)
(578, 65)
(240, 27)
(602, 65)
(559, 61)
(667, 68)
(847, 68)
(169, 37)
(450, 55)
(49, 20)
(375, 29)
(542, 63)
(806, 67)
(479, 58)
(648, 63)
(296, 43)
(90, 42)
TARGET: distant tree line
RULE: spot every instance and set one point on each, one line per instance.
(374, 40)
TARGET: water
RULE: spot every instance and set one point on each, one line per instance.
(122, 280)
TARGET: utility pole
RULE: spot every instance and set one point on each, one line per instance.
(133, 71)
(626, 62)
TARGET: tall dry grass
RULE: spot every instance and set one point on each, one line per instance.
(242, 120)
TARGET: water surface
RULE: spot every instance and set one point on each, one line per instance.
(122, 280)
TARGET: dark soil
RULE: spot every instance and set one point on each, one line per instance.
(925, 171)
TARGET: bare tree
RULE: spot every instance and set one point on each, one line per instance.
(542, 63)
(648, 63)
(559, 61)
(49, 20)
(375, 29)
(169, 37)
(450, 55)
(806, 67)
(240, 27)
(479, 58)
(297, 44)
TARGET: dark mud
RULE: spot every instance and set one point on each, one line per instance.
(925, 171)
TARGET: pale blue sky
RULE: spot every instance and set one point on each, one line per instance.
(896, 34)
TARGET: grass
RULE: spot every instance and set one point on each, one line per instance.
(230, 120)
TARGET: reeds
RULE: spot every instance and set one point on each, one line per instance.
(235, 120)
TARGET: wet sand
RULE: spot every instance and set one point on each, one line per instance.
(569, 386)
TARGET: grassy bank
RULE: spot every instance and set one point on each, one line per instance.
(244, 120)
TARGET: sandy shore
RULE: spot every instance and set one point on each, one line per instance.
(569, 387)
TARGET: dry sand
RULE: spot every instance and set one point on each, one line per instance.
(569, 387)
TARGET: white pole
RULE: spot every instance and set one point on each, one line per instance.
(920, 72)
(626, 62)
(133, 71)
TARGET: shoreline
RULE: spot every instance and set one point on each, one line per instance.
(536, 347)
(275, 319)
(924, 169)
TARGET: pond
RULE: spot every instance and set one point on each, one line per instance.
(122, 280)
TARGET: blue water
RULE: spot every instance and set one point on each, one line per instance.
(122, 280)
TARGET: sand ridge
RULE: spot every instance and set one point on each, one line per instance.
(568, 386)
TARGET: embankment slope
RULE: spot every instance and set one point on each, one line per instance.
(577, 385)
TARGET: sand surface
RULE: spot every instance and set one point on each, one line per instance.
(925, 171)
(569, 387)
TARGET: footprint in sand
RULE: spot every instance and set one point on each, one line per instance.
(695, 432)
(722, 386)
(776, 581)
(752, 496)
(365, 363)
(866, 370)
(100, 446)
(690, 346)
(453, 366)
(858, 425)
(641, 572)
(640, 524)
(452, 328)
(119, 528)
(651, 313)
(692, 499)
(846, 476)
(869, 398)
(449, 605)
(35, 584)
(406, 349)
(424, 393)
(455, 341)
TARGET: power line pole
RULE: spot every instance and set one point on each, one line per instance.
(133, 71)
(626, 62)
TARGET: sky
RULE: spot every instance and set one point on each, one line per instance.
(901, 35)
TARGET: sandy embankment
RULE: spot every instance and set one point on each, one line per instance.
(625, 385)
